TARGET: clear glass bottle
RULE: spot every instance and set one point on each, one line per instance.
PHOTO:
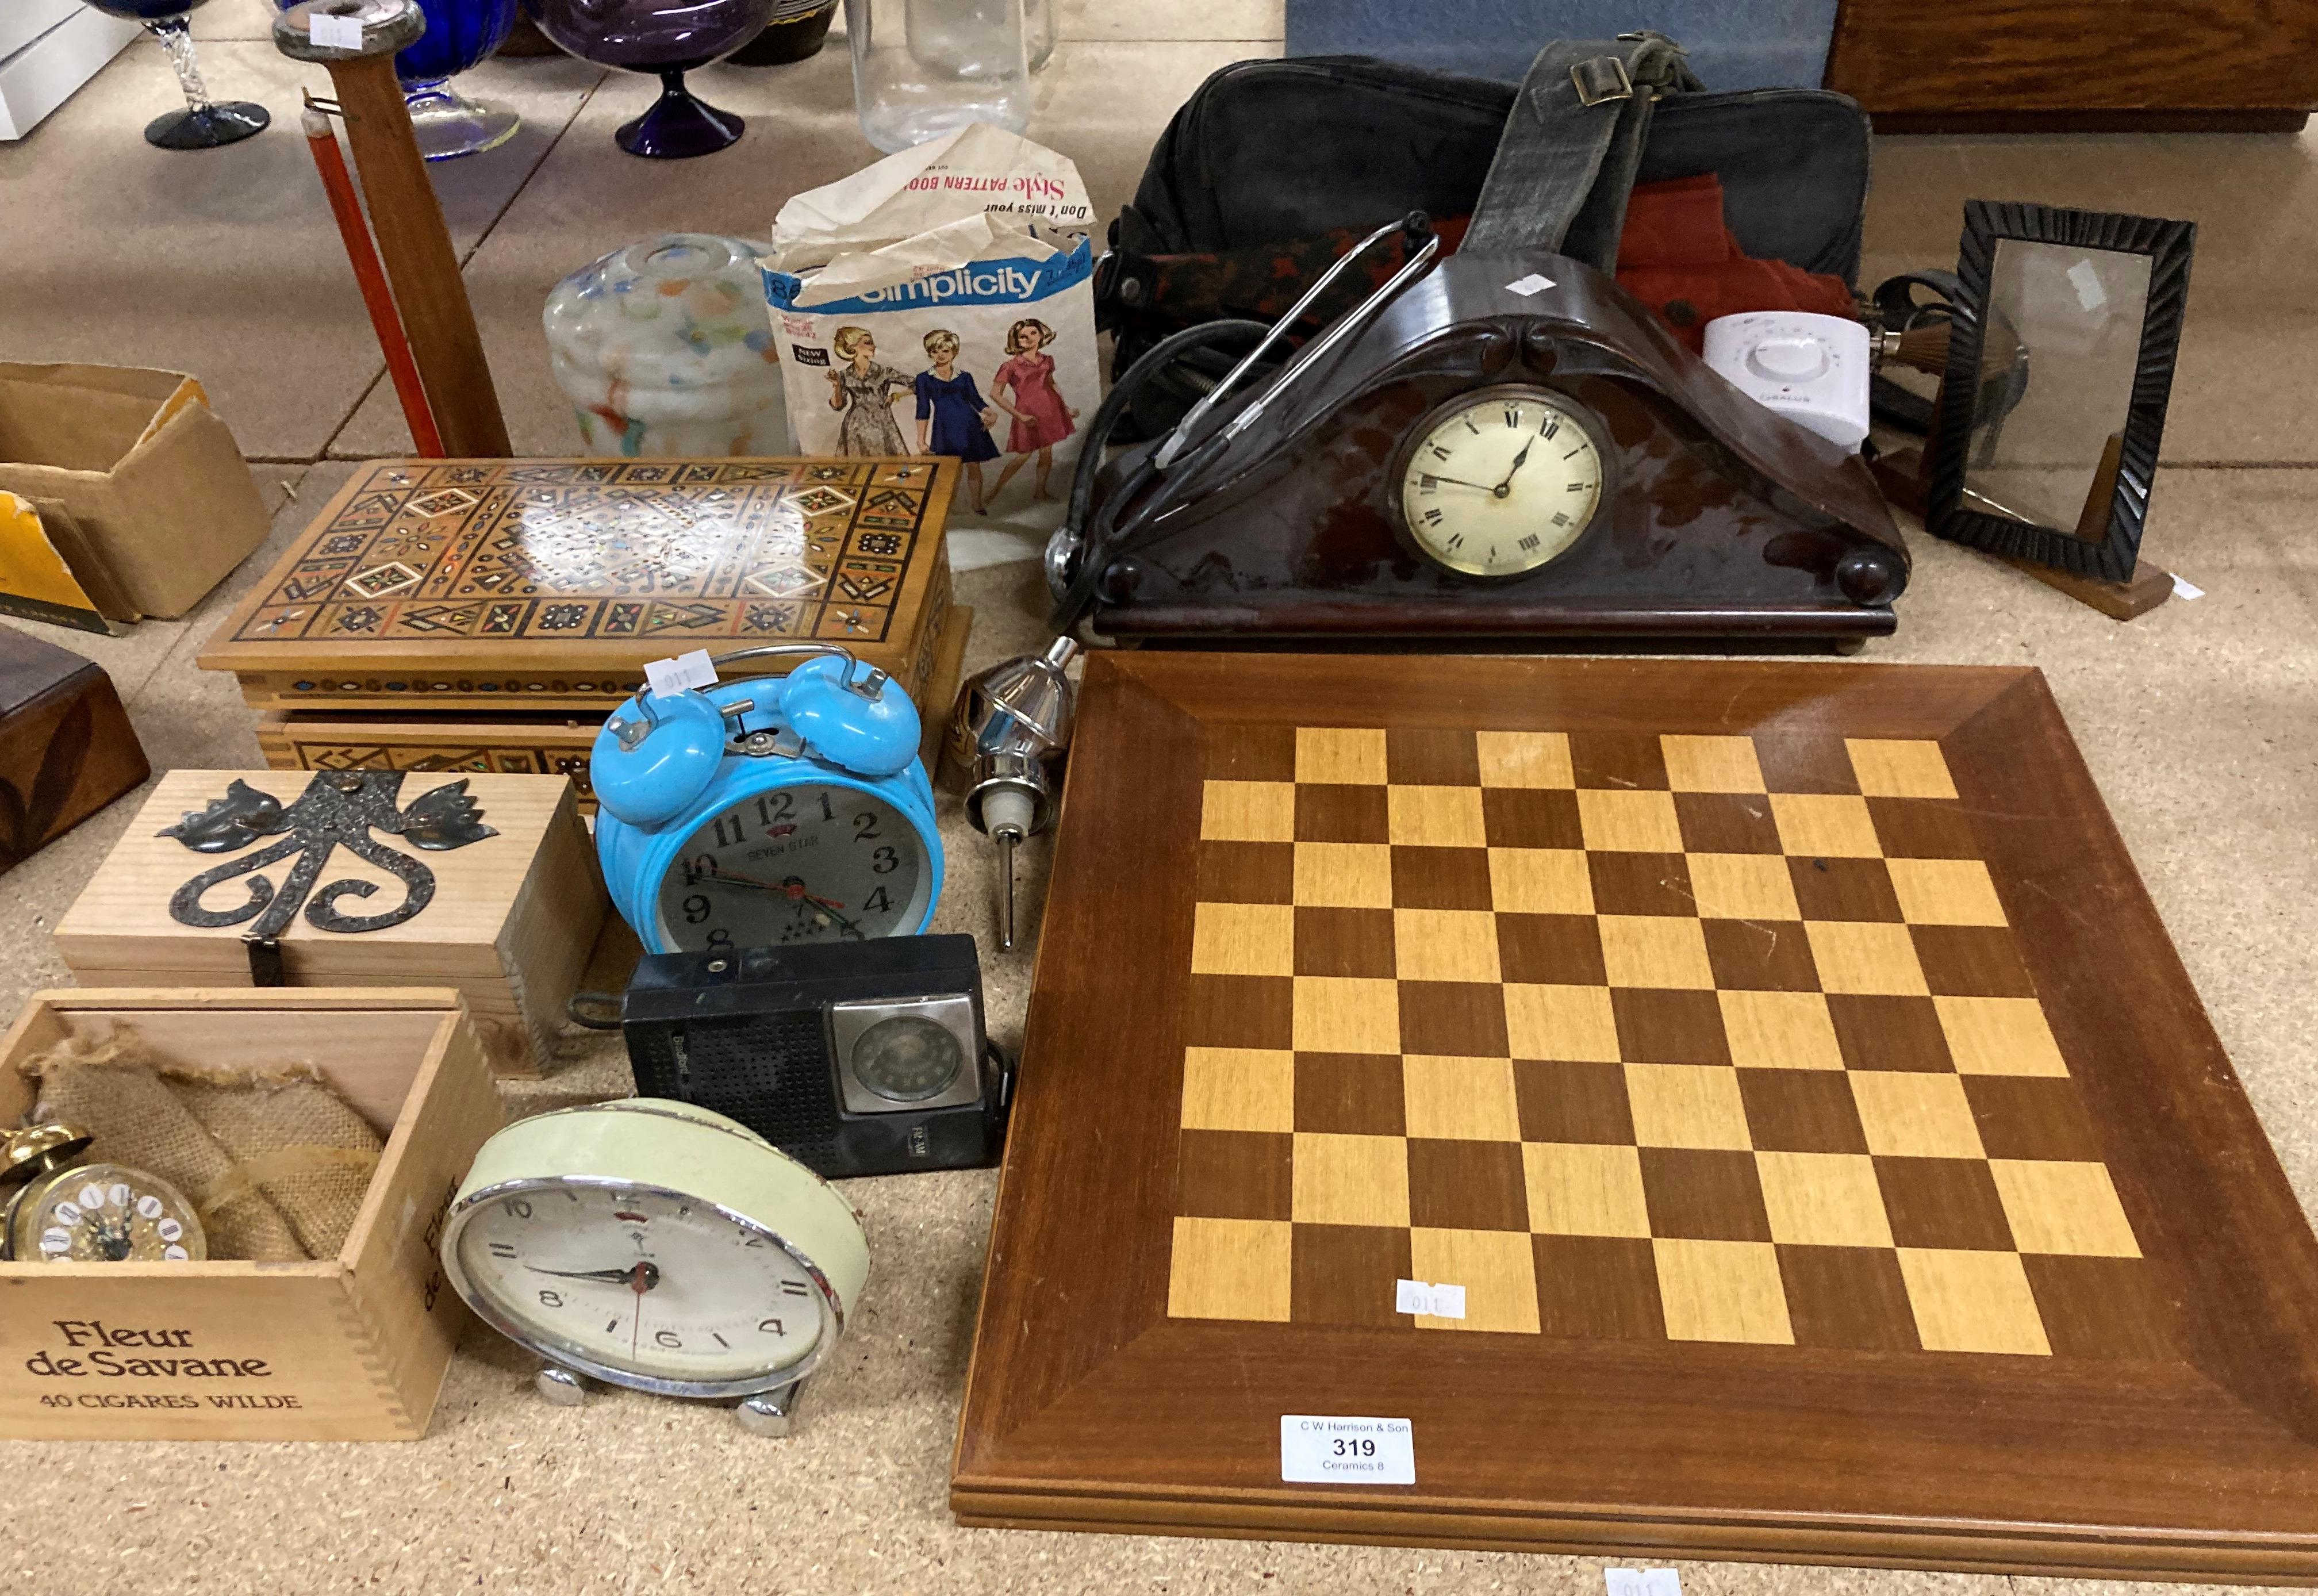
(1038, 30)
(922, 69)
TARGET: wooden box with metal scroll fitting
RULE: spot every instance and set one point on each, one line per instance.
(487, 883)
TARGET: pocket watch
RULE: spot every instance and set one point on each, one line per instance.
(65, 1212)
(1497, 482)
(660, 1246)
(759, 813)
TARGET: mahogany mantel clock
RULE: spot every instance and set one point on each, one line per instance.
(1491, 458)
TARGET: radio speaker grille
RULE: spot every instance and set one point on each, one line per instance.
(770, 1072)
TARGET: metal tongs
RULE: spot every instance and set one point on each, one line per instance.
(1415, 225)
(1080, 548)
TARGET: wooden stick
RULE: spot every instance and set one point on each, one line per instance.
(378, 299)
(416, 242)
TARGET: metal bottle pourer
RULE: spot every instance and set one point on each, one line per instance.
(1012, 721)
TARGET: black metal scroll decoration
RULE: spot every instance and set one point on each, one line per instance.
(338, 809)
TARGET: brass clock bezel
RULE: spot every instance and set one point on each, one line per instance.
(1396, 473)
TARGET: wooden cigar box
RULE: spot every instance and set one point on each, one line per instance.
(350, 1348)
(508, 918)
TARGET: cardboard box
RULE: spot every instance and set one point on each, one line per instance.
(511, 924)
(48, 49)
(351, 1348)
(51, 571)
(152, 477)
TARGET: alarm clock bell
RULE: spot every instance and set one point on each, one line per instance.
(764, 812)
(854, 723)
(660, 751)
(648, 767)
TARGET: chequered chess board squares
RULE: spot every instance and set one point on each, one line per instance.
(1713, 1038)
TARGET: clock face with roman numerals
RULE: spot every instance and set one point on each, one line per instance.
(1497, 483)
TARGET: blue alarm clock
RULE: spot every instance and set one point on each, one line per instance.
(770, 810)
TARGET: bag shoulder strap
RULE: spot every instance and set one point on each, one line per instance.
(1572, 145)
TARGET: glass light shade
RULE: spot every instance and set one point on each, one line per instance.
(664, 348)
(922, 69)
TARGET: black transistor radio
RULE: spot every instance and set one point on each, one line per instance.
(858, 1058)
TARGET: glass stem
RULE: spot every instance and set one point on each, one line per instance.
(177, 36)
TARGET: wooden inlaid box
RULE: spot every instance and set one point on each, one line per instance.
(351, 1348)
(511, 923)
(66, 748)
(516, 585)
(548, 743)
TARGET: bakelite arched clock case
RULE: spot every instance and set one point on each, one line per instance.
(1684, 508)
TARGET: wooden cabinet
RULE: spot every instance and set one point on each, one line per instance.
(2007, 65)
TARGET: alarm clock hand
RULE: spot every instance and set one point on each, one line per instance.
(795, 890)
(624, 1277)
(830, 907)
(639, 1282)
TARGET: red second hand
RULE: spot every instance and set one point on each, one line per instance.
(636, 1283)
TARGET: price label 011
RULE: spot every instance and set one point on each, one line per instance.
(1321, 1448)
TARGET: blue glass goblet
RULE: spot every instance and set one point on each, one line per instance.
(204, 123)
(459, 33)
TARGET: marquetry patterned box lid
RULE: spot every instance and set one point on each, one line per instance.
(465, 583)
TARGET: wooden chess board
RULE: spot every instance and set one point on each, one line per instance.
(1784, 1060)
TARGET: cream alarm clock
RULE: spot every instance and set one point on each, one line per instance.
(660, 1246)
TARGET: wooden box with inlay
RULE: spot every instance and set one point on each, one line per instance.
(66, 748)
(350, 1348)
(505, 587)
(510, 921)
(547, 743)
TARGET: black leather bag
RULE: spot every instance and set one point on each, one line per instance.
(1277, 155)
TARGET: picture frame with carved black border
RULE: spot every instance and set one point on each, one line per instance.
(2103, 548)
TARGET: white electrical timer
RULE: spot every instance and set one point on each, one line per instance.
(658, 1246)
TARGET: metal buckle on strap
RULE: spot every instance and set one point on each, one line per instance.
(1601, 80)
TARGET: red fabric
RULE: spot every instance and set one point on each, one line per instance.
(1677, 256)
(1676, 223)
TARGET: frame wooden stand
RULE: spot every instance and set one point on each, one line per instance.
(1903, 477)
